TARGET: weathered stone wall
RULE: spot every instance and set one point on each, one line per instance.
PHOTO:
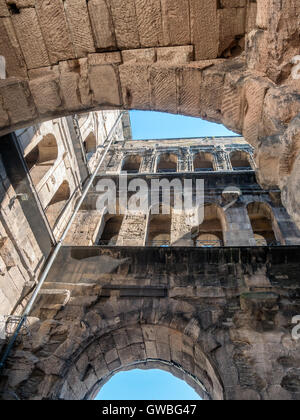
(224, 316)
(26, 234)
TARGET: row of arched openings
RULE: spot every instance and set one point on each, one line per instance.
(202, 162)
(39, 162)
(211, 233)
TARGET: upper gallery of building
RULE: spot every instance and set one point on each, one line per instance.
(236, 210)
(203, 154)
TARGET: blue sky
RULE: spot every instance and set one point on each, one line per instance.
(151, 384)
(156, 384)
(158, 125)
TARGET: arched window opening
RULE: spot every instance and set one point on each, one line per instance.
(159, 232)
(58, 203)
(204, 162)
(40, 159)
(262, 220)
(210, 233)
(111, 230)
(240, 161)
(167, 163)
(90, 145)
(132, 164)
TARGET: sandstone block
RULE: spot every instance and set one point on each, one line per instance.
(141, 56)
(255, 91)
(124, 21)
(176, 22)
(163, 85)
(204, 29)
(149, 22)
(4, 12)
(175, 55)
(104, 79)
(79, 25)
(74, 83)
(102, 25)
(55, 30)
(135, 84)
(190, 79)
(30, 38)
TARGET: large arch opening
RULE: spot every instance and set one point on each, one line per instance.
(211, 232)
(41, 158)
(263, 224)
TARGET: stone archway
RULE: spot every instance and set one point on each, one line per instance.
(224, 63)
(144, 346)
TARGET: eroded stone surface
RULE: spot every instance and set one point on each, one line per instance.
(231, 335)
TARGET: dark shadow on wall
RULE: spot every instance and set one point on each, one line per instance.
(17, 177)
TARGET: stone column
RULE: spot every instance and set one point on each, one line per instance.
(239, 231)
